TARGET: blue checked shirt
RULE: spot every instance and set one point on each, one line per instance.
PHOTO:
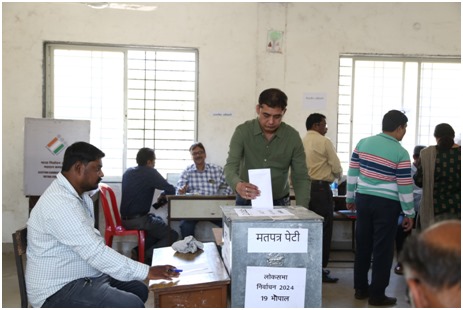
(209, 182)
(63, 245)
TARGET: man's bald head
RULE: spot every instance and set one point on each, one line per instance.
(432, 263)
(444, 235)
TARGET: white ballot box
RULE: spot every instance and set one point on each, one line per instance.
(273, 256)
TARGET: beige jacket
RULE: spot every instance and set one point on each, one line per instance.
(428, 162)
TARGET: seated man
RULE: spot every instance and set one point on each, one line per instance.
(138, 186)
(201, 178)
(432, 266)
(68, 263)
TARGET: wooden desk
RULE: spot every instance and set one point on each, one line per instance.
(205, 288)
(197, 207)
(346, 216)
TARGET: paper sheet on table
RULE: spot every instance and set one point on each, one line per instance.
(187, 270)
(262, 179)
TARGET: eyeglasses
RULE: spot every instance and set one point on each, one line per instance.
(197, 153)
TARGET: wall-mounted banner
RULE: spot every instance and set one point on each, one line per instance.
(45, 141)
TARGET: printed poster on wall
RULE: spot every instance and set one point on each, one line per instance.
(45, 141)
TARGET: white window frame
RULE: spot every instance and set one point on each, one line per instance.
(410, 98)
(172, 155)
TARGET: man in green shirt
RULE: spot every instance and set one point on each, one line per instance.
(267, 142)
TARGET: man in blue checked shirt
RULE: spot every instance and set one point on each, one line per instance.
(68, 263)
(201, 178)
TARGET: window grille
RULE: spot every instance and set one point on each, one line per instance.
(134, 97)
(428, 90)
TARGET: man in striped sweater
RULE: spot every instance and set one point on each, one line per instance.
(379, 187)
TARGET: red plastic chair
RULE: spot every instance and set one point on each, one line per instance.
(114, 224)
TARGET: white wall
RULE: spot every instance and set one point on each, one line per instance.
(234, 66)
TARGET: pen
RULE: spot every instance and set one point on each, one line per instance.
(175, 270)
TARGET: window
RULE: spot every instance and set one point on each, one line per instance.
(134, 97)
(428, 90)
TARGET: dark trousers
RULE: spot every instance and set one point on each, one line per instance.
(187, 227)
(99, 292)
(375, 234)
(157, 233)
(400, 236)
(321, 202)
(285, 201)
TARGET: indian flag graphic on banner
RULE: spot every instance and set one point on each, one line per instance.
(56, 145)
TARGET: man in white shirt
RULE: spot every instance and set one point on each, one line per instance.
(68, 263)
(324, 167)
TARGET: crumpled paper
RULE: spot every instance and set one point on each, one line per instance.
(187, 245)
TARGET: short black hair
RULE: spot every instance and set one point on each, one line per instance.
(274, 98)
(195, 145)
(394, 119)
(417, 149)
(145, 154)
(312, 119)
(80, 151)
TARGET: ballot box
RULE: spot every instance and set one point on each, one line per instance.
(273, 256)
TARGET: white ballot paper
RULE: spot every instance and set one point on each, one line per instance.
(262, 179)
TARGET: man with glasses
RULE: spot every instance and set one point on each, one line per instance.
(324, 167)
(200, 178)
(268, 142)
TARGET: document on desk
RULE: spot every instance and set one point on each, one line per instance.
(263, 180)
(187, 270)
(192, 269)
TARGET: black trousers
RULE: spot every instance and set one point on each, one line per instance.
(321, 202)
(375, 234)
(157, 233)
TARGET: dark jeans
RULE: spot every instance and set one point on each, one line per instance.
(400, 236)
(285, 201)
(187, 228)
(99, 292)
(321, 202)
(156, 233)
(375, 234)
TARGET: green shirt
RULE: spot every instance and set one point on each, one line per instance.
(249, 149)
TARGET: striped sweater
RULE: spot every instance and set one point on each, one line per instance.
(380, 166)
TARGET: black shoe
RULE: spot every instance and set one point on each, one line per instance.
(325, 272)
(385, 301)
(327, 279)
(361, 294)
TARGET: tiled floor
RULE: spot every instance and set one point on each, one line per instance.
(339, 295)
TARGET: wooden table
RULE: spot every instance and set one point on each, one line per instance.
(197, 207)
(200, 207)
(202, 284)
